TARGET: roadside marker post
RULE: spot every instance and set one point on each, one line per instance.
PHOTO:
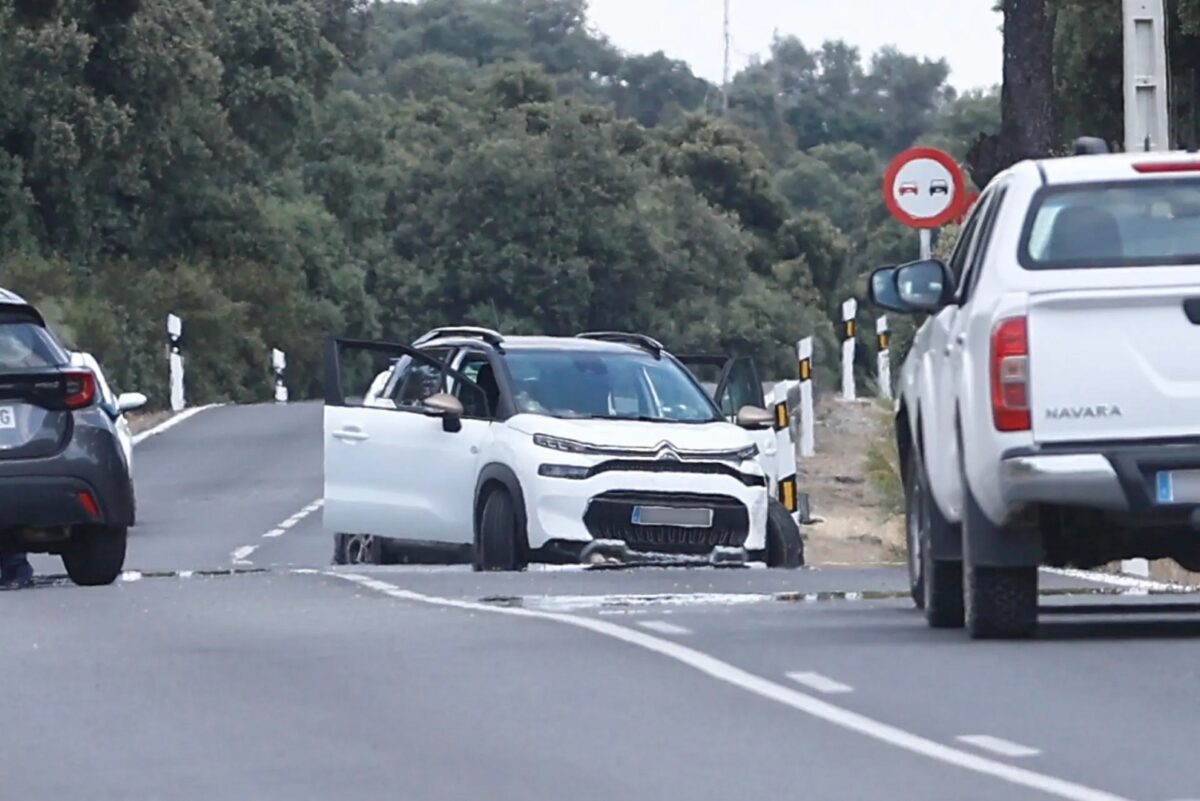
(804, 353)
(849, 329)
(175, 362)
(884, 358)
(278, 365)
(785, 450)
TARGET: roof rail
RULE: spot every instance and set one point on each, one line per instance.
(489, 336)
(637, 340)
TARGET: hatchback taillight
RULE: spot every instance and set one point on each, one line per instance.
(1010, 375)
(79, 388)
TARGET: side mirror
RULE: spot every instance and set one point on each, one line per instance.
(447, 407)
(128, 401)
(754, 417)
(920, 286)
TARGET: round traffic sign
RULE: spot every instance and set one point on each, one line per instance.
(924, 188)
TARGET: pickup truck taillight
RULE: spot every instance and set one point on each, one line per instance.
(1010, 375)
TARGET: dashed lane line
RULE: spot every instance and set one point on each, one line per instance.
(787, 696)
(822, 684)
(241, 555)
(996, 745)
(663, 627)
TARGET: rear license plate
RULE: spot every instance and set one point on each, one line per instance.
(672, 516)
(1179, 486)
(8, 417)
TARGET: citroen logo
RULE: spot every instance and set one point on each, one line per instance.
(666, 452)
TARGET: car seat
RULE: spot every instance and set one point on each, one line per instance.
(1083, 233)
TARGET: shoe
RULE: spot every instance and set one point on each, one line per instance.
(18, 577)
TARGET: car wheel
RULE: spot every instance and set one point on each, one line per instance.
(359, 549)
(1001, 602)
(497, 540)
(95, 555)
(785, 546)
(935, 584)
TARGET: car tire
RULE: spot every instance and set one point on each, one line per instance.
(498, 540)
(96, 555)
(936, 585)
(1001, 602)
(785, 546)
(357, 549)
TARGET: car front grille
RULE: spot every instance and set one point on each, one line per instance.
(610, 515)
(672, 466)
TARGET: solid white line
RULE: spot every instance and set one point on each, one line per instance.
(241, 553)
(998, 746)
(822, 684)
(736, 677)
(663, 627)
(171, 422)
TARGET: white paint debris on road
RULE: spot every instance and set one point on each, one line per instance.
(822, 684)
(663, 627)
(996, 745)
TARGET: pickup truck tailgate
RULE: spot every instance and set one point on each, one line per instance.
(1115, 364)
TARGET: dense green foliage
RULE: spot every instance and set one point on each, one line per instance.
(275, 171)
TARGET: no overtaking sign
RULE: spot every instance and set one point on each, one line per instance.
(924, 188)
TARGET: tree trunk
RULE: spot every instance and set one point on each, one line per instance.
(1027, 128)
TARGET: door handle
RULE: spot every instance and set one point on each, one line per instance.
(351, 435)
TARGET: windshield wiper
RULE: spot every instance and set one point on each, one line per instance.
(643, 418)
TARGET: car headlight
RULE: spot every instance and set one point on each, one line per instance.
(560, 444)
(746, 453)
(563, 471)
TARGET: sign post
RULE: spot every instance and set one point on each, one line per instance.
(278, 365)
(849, 312)
(175, 359)
(804, 354)
(884, 357)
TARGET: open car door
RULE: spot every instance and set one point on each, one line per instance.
(402, 433)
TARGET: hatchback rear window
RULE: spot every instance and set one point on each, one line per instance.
(25, 345)
(1142, 224)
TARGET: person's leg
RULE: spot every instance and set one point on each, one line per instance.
(15, 570)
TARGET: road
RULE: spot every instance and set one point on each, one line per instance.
(290, 680)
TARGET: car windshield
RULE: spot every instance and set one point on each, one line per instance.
(1147, 223)
(611, 385)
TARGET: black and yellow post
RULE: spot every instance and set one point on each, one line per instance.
(783, 422)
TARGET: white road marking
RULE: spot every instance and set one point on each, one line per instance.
(787, 696)
(1118, 580)
(822, 684)
(242, 554)
(663, 627)
(998, 746)
(171, 422)
(275, 532)
(131, 575)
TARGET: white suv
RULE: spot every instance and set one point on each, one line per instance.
(504, 450)
(1049, 411)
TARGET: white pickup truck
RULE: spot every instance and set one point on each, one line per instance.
(1049, 410)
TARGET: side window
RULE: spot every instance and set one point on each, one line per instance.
(958, 259)
(414, 381)
(741, 388)
(480, 395)
(979, 252)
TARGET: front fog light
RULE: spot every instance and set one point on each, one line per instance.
(563, 471)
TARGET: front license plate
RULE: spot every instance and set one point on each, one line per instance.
(672, 516)
(8, 417)
(1179, 486)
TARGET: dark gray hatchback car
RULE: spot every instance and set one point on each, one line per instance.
(65, 484)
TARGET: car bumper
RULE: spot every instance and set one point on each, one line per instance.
(558, 509)
(1120, 478)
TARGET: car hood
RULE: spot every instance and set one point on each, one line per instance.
(716, 436)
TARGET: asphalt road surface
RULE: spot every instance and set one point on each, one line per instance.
(286, 679)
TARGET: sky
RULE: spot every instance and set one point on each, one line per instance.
(964, 32)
